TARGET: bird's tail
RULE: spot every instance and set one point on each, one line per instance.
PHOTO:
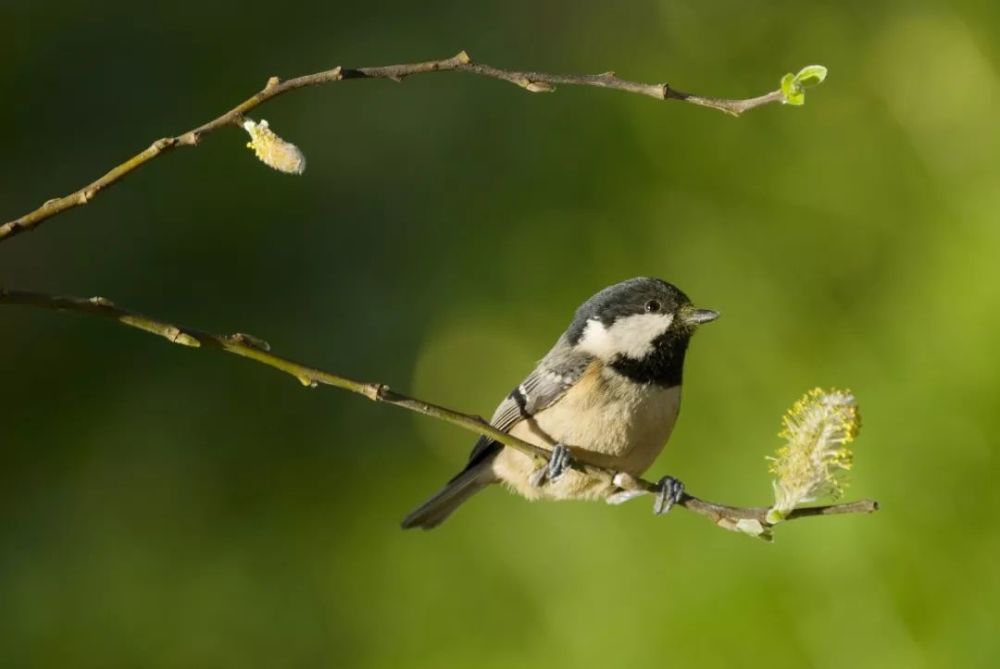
(434, 511)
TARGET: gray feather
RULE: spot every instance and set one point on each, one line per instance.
(557, 372)
(434, 511)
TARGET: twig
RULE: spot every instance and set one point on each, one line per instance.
(535, 82)
(747, 519)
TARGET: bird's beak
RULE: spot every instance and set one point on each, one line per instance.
(693, 316)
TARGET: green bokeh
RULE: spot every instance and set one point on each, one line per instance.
(164, 507)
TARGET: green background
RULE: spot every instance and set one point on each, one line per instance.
(166, 507)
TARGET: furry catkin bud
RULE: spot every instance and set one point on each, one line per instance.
(812, 463)
(272, 150)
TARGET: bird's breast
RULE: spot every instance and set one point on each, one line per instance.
(625, 424)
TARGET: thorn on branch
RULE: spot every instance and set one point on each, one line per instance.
(183, 338)
(750, 526)
(162, 143)
(376, 392)
(534, 86)
(308, 381)
(249, 340)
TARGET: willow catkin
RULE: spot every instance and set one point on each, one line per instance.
(272, 150)
(817, 431)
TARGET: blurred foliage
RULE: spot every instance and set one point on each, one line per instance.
(162, 507)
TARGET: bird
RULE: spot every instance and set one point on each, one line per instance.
(609, 389)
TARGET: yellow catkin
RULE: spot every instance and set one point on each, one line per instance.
(817, 431)
(272, 150)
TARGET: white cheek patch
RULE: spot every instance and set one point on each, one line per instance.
(631, 336)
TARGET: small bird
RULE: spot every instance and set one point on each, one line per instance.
(610, 388)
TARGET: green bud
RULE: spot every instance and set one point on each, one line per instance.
(793, 85)
(811, 75)
(792, 90)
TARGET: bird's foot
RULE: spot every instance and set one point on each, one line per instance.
(559, 461)
(669, 492)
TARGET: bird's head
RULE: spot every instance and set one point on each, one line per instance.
(640, 328)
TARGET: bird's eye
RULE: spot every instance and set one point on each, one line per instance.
(652, 306)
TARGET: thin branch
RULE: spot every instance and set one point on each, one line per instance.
(535, 82)
(747, 519)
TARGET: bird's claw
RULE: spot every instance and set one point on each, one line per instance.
(669, 492)
(559, 461)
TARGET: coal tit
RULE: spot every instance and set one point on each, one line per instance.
(610, 387)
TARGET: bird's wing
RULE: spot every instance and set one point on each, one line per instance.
(555, 374)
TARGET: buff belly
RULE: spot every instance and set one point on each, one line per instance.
(622, 425)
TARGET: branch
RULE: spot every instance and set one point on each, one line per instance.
(751, 520)
(535, 82)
